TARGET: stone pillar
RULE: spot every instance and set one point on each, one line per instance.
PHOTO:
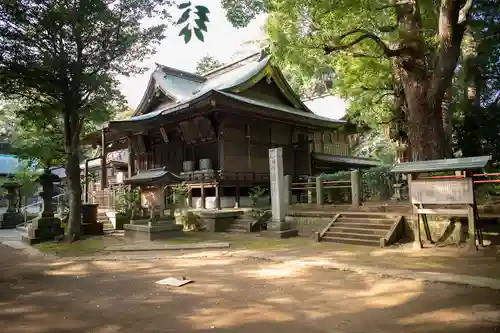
(356, 188)
(104, 174)
(277, 228)
(202, 190)
(276, 180)
(287, 190)
(319, 191)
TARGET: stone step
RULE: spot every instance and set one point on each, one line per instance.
(239, 226)
(353, 241)
(365, 220)
(369, 215)
(351, 235)
(362, 225)
(233, 230)
(362, 231)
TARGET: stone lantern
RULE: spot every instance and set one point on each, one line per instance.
(12, 216)
(47, 180)
(47, 227)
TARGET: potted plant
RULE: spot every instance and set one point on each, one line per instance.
(259, 213)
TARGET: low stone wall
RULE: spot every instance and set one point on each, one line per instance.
(443, 230)
(307, 223)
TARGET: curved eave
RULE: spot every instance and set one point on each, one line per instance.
(146, 98)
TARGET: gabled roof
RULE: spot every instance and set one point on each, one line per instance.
(182, 87)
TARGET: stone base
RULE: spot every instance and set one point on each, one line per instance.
(92, 229)
(218, 221)
(44, 230)
(11, 220)
(163, 229)
(279, 234)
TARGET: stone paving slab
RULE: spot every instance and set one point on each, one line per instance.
(139, 247)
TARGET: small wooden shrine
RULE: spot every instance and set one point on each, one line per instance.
(213, 132)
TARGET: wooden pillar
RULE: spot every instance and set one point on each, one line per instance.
(319, 191)
(355, 188)
(217, 196)
(202, 190)
(104, 174)
(86, 181)
(309, 190)
(131, 159)
(190, 197)
(237, 197)
(162, 201)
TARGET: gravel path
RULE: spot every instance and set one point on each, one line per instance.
(230, 294)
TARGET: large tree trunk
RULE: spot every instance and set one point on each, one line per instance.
(75, 196)
(72, 128)
(447, 122)
(425, 126)
(427, 76)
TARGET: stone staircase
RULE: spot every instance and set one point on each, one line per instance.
(360, 228)
(241, 224)
(104, 219)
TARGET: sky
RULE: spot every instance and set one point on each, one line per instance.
(222, 41)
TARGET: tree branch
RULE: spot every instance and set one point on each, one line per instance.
(462, 15)
(392, 5)
(388, 52)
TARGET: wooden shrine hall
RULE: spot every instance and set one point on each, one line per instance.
(212, 132)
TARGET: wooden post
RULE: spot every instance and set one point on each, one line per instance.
(217, 196)
(355, 188)
(319, 191)
(417, 243)
(237, 197)
(86, 180)
(162, 201)
(309, 190)
(104, 174)
(190, 197)
(202, 190)
(131, 159)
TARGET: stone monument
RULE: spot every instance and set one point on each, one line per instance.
(12, 216)
(278, 228)
(47, 227)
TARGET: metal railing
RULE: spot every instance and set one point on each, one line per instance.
(30, 219)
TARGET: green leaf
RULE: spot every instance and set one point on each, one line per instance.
(199, 34)
(201, 25)
(202, 9)
(184, 5)
(202, 17)
(186, 32)
(184, 17)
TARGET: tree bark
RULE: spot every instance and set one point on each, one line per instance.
(72, 129)
(75, 196)
(447, 122)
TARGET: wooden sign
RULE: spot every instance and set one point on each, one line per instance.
(442, 191)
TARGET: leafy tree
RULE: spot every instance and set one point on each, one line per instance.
(207, 64)
(63, 58)
(412, 59)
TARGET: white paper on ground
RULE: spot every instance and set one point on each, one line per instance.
(171, 281)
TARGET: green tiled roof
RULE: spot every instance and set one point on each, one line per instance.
(450, 164)
(158, 176)
(348, 160)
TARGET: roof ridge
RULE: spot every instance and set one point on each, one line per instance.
(220, 68)
(180, 73)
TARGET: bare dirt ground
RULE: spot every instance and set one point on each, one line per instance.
(44, 295)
